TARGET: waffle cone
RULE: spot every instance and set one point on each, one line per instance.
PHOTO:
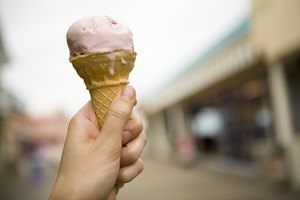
(104, 75)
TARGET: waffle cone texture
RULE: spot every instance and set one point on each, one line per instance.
(104, 75)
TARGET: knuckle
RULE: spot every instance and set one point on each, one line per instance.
(74, 121)
(119, 111)
(136, 125)
(126, 175)
(129, 156)
(145, 138)
(139, 125)
(141, 165)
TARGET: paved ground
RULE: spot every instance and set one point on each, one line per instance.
(162, 181)
(13, 187)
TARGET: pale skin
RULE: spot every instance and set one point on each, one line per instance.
(93, 161)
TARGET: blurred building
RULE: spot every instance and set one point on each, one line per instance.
(23, 135)
(31, 141)
(9, 105)
(240, 100)
(3, 98)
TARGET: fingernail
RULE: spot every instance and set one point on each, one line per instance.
(128, 92)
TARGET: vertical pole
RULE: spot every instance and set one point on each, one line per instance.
(159, 145)
(283, 120)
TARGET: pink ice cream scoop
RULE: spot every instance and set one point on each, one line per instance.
(98, 34)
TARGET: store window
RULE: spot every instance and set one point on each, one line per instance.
(208, 123)
(234, 121)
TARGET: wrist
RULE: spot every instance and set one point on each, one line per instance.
(69, 190)
(61, 192)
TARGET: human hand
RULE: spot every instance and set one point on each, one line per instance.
(94, 161)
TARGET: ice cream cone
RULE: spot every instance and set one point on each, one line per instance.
(104, 75)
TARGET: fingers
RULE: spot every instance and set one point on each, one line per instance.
(132, 129)
(131, 164)
(128, 173)
(119, 113)
(133, 150)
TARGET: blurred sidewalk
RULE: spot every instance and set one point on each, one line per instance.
(166, 181)
(16, 187)
(162, 181)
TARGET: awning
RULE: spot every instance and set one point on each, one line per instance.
(231, 60)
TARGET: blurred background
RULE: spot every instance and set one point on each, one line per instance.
(218, 88)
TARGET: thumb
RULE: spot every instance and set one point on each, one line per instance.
(119, 113)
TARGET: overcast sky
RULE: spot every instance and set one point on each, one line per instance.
(168, 36)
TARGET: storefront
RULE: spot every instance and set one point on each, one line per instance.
(234, 121)
(240, 100)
